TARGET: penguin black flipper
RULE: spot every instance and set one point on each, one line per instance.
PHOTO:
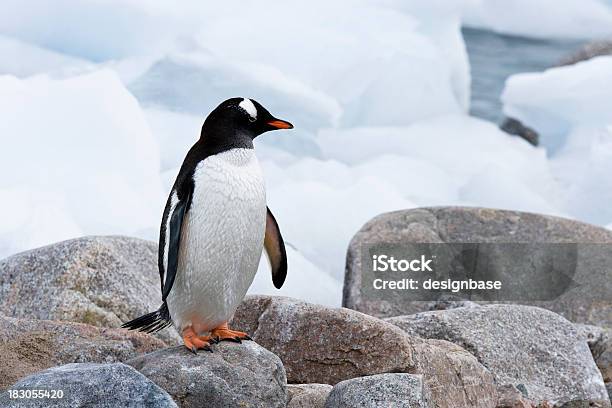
(275, 249)
(159, 319)
(174, 244)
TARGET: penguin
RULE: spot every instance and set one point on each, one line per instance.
(214, 228)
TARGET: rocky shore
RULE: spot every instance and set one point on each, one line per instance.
(61, 306)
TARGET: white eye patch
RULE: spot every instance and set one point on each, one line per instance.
(249, 108)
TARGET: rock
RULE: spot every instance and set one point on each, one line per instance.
(234, 375)
(590, 50)
(90, 385)
(319, 344)
(101, 281)
(528, 347)
(588, 301)
(28, 346)
(454, 376)
(517, 128)
(512, 397)
(307, 395)
(600, 343)
(381, 390)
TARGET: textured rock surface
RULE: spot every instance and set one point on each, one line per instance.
(234, 375)
(91, 385)
(307, 395)
(27, 346)
(382, 390)
(512, 397)
(600, 343)
(102, 281)
(589, 302)
(318, 344)
(520, 345)
(515, 127)
(454, 376)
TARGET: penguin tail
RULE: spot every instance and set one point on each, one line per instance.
(151, 322)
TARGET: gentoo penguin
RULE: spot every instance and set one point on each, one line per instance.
(214, 227)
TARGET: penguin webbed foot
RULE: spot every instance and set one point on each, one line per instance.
(193, 342)
(224, 333)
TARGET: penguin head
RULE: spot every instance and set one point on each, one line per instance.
(240, 117)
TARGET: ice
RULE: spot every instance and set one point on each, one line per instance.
(581, 19)
(96, 30)
(22, 60)
(555, 101)
(85, 142)
(32, 219)
(314, 71)
(569, 107)
(203, 81)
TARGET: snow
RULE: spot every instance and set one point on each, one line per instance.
(103, 99)
(25, 60)
(560, 99)
(305, 281)
(83, 145)
(569, 106)
(580, 19)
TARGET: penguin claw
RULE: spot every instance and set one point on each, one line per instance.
(194, 350)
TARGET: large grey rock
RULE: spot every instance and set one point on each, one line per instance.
(327, 345)
(523, 346)
(319, 344)
(589, 300)
(234, 375)
(382, 390)
(307, 395)
(89, 386)
(102, 281)
(455, 377)
(28, 346)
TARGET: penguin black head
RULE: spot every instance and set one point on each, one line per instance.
(237, 120)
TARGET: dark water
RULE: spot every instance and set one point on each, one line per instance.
(494, 57)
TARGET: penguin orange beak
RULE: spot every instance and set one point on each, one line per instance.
(280, 124)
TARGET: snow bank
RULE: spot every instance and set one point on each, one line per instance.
(33, 218)
(83, 145)
(581, 19)
(201, 81)
(374, 65)
(559, 99)
(570, 107)
(22, 60)
(96, 30)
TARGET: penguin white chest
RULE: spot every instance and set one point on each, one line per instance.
(221, 240)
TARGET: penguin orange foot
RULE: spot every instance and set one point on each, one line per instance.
(223, 332)
(194, 342)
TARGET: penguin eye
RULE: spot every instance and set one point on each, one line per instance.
(252, 119)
